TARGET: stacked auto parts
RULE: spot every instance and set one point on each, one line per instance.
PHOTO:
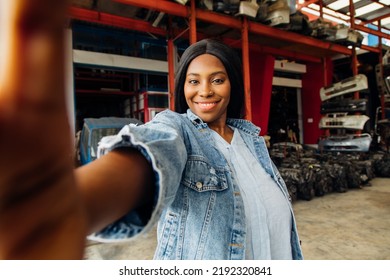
(382, 118)
(339, 33)
(309, 173)
(283, 14)
(344, 116)
(382, 73)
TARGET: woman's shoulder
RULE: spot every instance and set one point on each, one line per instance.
(170, 118)
(170, 115)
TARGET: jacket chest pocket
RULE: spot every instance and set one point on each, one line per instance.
(201, 176)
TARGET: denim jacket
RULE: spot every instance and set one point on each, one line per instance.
(198, 205)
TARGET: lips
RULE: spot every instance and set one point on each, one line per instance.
(206, 105)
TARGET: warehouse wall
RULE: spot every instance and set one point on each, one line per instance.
(317, 76)
(261, 72)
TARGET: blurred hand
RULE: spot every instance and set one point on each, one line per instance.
(41, 215)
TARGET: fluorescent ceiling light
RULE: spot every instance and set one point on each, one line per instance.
(314, 7)
(367, 9)
(310, 11)
(337, 5)
(335, 14)
(334, 19)
(386, 2)
(329, 12)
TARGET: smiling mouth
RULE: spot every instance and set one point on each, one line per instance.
(206, 105)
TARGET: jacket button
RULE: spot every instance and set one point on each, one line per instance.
(199, 185)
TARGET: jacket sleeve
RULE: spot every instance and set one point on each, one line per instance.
(161, 142)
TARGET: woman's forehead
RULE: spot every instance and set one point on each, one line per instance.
(205, 62)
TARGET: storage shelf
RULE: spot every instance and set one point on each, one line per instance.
(260, 34)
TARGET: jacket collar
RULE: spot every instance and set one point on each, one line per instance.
(241, 124)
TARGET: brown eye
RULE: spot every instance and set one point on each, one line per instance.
(218, 81)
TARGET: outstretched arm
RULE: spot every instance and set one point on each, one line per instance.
(45, 210)
(114, 185)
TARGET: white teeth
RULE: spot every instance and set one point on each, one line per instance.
(206, 105)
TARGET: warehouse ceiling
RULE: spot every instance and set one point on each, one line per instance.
(366, 11)
(110, 7)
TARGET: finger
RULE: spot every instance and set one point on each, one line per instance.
(31, 49)
(32, 83)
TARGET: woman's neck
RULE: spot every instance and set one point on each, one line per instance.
(224, 131)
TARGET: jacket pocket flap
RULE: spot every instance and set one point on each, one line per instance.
(201, 176)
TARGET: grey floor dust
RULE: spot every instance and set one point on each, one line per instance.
(353, 225)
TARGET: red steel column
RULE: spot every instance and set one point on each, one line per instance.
(382, 94)
(246, 68)
(171, 73)
(193, 23)
(354, 64)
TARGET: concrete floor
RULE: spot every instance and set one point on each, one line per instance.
(352, 225)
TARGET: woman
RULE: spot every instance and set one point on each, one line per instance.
(219, 193)
(205, 175)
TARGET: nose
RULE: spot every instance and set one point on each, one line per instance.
(205, 91)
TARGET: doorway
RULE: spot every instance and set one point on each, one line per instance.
(285, 120)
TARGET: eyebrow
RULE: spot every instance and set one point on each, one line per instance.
(212, 74)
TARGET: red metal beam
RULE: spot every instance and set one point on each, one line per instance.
(362, 23)
(138, 25)
(102, 92)
(276, 52)
(164, 6)
(372, 31)
(296, 38)
(225, 20)
(377, 18)
(112, 20)
(232, 22)
(371, 49)
(218, 18)
(288, 54)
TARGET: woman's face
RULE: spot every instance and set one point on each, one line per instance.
(207, 89)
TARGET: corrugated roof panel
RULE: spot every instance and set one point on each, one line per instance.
(385, 2)
(372, 8)
(378, 13)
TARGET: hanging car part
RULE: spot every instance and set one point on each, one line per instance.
(352, 84)
(278, 13)
(342, 120)
(346, 143)
(344, 105)
(248, 8)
